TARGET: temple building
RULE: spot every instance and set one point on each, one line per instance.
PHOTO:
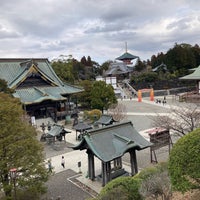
(39, 89)
(127, 58)
(109, 144)
(162, 67)
(122, 67)
(194, 76)
(119, 71)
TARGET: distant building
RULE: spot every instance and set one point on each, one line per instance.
(122, 68)
(118, 71)
(162, 67)
(39, 89)
(127, 58)
(194, 76)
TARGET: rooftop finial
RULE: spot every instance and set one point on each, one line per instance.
(126, 46)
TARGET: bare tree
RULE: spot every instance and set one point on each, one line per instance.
(118, 111)
(157, 185)
(180, 120)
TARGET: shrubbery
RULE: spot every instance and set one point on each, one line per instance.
(92, 115)
(184, 162)
(126, 188)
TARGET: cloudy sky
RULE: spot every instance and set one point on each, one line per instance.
(96, 28)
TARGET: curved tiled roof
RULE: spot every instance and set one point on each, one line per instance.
(16, 71)
(105, 120)
(113, 141)
(127, 55)
(117, 68)
(193, 76)
(37, 95)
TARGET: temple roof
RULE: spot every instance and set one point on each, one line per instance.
(160, 67)
(16, 70)
(105, 120)
(39, 94)
(193, 76)
(81, 126)
(113, 141)
(117, 68)
(57, 129)
(126, 55)
(20, 72)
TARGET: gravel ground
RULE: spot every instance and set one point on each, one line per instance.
(58, 149)
(64, 186)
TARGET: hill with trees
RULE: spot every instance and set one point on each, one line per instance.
(178, 61)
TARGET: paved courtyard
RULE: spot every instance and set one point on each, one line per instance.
(64, 185)
(68, 183)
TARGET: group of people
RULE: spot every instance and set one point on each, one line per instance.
(161, 101)
(50, 168)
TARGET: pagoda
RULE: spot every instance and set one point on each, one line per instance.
(127, 57)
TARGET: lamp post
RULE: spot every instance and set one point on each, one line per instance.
(13, 175)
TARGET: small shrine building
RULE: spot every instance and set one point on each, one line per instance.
(109, 144)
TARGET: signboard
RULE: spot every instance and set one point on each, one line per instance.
(159, 137)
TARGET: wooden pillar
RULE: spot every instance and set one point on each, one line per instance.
(120, 162)
(103, 173)
(108, 171)
(115, 164)
(91, 166)
(133, 161)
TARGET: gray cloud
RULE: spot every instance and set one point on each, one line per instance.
(96, 28)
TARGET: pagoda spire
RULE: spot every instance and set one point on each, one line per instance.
(126, 47)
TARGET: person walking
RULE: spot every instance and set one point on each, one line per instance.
(63, 162)
(50, 166)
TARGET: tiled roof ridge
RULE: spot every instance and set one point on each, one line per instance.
(22, 59)
(25, 70)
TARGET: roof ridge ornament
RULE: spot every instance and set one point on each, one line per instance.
(29, 63)
(124, 139)
(41, 91)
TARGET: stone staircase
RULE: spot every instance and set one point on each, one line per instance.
(128, 91)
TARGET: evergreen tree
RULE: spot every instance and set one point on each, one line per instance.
(64, 70)
(4, 88)
(89, 61)
(19, 149)
(140, 66)
(84, 61)
(102, 95)
(85, 97)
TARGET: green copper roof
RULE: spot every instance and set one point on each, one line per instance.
(113, 141)
(13, 70)
(193, 76)
(37, 95)
(105, 120)
(126, 55)
(56, 130)
(16, 71)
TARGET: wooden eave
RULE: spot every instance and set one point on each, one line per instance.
(25, 74)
